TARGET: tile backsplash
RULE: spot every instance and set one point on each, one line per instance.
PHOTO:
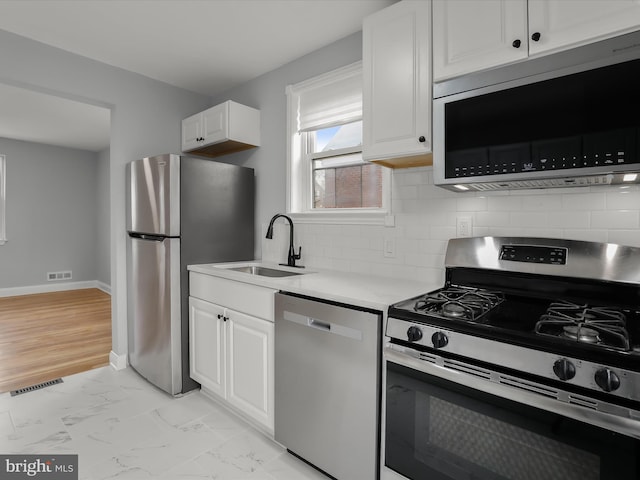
(426, 217)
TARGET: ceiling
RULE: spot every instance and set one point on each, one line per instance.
(41, 118)
(206, 46)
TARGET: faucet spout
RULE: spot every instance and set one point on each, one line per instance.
(291, 256)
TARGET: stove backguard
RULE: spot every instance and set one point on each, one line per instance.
(604, 262)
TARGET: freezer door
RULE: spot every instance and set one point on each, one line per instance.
(153, 185)
(154, 311)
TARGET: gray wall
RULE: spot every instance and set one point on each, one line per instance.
(102, 225)
(267, 93)
(145, 120)
(51, 209)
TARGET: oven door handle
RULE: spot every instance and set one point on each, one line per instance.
(624, 421)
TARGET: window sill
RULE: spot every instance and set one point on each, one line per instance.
(343, 218)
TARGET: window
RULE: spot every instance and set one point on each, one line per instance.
(3, 183)
(340, 178)
(327, 177)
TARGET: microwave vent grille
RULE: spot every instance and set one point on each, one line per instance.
(545, 183)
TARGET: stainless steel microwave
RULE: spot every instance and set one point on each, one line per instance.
(567, 119)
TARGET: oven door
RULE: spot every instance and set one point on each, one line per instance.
(443, 424)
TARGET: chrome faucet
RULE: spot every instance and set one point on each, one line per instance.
(292, 256)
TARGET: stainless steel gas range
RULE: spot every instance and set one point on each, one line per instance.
(525, 365)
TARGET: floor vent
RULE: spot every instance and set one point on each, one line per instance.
(35, 387)
(53, 276)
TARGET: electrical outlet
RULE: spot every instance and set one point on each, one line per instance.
(390, 248)
(464, 226)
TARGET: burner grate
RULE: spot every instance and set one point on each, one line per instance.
(459, 303)
(585, 324)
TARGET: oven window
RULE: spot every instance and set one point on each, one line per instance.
(440, 430)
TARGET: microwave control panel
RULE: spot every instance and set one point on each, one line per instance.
(617, 147)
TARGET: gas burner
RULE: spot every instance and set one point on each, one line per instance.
(603, 326)
(458, 303)
(581, 334)
(454, 309)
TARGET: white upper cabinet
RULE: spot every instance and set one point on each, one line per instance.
(472, 35)
(226, 128)
(563, 23)
(191, 128)
(215, 123)
(397, 85)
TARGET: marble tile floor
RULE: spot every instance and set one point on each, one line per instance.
(122, 427)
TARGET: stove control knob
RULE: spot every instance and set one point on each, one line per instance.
(414, 334)
(439, 340)
(607, 380)
(564, 369)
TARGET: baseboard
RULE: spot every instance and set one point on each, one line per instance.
(103, 286)
(118, 362)
(56, 287)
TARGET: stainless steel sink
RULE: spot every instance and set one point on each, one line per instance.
(265, 271)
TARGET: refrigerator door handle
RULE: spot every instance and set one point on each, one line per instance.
(146, 236)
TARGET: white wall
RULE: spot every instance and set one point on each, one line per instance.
(426, 219)
(145, 120)
(102, 215)
(51, 213)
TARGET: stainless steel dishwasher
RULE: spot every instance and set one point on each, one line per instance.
(327, 385)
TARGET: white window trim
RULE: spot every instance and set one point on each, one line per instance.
(3, 199)
(299, 172)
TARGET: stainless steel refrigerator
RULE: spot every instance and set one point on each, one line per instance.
(180, 211)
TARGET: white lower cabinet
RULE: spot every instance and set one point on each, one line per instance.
(250, 366)
(207, 341)
(231, 355)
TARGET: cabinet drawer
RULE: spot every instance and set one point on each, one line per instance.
(243, 297)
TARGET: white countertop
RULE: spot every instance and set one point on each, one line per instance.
(361, 290)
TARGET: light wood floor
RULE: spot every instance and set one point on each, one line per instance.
(50, 335)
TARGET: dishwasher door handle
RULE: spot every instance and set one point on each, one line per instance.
(313, 323)
(322, 326)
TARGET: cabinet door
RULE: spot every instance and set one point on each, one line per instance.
(207, 342)
(191, 132)
(397, 81)
(469, 35)
(562, 23)
(214, 124)
(250, 367)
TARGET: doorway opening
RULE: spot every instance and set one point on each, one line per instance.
(57, 218)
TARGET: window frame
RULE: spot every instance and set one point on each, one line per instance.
(300, 168)
(3, 199)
